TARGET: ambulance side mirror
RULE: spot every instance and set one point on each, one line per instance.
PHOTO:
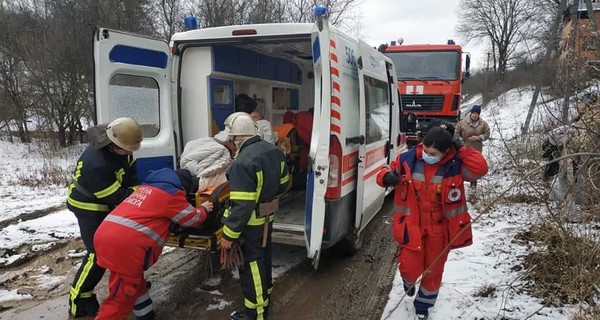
(411, 122)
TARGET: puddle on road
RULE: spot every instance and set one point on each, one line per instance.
(45, 276)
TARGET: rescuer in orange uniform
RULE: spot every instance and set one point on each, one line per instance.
(131, 238)
(430, 208)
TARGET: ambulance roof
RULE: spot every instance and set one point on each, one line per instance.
(423, 47)
(244, 31)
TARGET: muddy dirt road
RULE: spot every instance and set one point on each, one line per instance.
(189, 285)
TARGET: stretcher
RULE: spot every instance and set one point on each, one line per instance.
(208, 236)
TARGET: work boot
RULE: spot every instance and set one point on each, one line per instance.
(410, 290)
(86, 307)
(422, 314)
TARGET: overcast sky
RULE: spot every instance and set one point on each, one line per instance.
(417, 22)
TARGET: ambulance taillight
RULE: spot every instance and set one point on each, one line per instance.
(334, 183)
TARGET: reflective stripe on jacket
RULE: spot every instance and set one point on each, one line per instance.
(257, 175)
(140, 224)
(104, 180)
(453, 169)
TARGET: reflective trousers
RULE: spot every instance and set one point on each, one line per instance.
(124, 295)
(413, 263)
(256, 274)
(89, 273)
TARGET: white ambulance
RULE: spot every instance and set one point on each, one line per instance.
(176, 90)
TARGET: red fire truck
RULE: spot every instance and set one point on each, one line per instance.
(430, 77)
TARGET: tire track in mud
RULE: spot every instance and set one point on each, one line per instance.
(32, 215)
(344, 287)
(26, 251)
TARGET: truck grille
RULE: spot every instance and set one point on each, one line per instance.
(419, 102)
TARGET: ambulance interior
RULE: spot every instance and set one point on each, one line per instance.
(279, 76)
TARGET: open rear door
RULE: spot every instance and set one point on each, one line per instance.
(132, 75)
(318, 168)
(375, 114)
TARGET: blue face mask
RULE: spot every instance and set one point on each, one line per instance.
(430, 159)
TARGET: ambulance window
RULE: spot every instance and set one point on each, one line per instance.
(222, 93)
(377, 109)
(136, 97)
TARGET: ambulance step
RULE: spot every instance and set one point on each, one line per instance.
(295, 239)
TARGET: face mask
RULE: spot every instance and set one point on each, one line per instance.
(430, 159)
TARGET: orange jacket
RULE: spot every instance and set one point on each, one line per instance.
(413, 202)
(133, 234)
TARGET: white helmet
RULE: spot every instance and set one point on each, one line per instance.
(125, 133)
(240, 124)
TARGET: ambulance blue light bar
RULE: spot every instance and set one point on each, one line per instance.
(190, 23)
(451, 41)
(319, 11)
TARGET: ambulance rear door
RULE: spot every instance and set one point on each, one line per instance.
(375, 110)
(318, 167)
(132, 78)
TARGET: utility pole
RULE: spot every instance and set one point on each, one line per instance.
(487, 80)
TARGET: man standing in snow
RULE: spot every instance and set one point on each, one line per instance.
(473, 131)
(132, 236)
(430, 208)
(105, 175)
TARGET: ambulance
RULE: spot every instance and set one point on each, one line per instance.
(177, 90)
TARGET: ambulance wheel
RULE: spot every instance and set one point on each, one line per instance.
(350, 245)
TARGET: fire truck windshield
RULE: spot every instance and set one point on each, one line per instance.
(426, 65)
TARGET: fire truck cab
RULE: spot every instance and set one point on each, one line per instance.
(430, 78)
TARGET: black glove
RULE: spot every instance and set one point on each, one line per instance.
(449, 127)
(457, 143)
(391, 179)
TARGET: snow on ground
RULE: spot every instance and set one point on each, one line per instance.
(58, 225)
(483, 281)
(12, 295)
(24, 186)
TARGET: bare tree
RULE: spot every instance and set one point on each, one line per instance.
(550, 45)
(504, 23)
(168, 16)
(228, 12)
(301, 10)
(17, 96)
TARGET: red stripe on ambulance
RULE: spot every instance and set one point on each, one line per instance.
(334, 57)
(374, 156)
(336, 86)
(335, 114)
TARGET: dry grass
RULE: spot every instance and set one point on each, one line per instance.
(565, 268)
(55, 168)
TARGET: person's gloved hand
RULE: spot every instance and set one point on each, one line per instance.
(457, 143)
(391, 179)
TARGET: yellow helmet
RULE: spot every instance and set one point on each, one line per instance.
(126, 133)
(240, 124)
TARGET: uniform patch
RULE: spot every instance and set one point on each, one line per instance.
(454, 194)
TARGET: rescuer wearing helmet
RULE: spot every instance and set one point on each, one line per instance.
(104, 176)
(256, 177)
